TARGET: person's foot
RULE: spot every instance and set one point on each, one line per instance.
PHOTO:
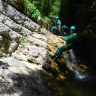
(51, 56)
(55, 59)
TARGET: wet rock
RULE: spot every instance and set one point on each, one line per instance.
(55, 69)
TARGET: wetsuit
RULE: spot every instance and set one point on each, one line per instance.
(69, 42)
(57, 27)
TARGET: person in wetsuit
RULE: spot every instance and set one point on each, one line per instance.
(57, 28)
(69, 43)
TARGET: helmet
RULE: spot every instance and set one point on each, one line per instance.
(73, 28)
(56, 17)
(64, 26)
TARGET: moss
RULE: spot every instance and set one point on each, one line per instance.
(55, 69)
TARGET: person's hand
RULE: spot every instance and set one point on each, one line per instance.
(59, 36)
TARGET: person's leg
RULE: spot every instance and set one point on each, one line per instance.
(59, 52)
(58, 31)
(60, 34)
(52, 29)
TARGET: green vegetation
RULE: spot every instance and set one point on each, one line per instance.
(30, 9)
(47, 9)
(22, 41)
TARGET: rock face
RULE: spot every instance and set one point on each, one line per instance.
(24, 55)
(19, 5)
(26, 81)
(23, 51)
(17, 16)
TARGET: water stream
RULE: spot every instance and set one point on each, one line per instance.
(72, 61)
(82, 84)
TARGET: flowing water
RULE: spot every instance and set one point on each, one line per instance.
(72, 61)
(82, 84)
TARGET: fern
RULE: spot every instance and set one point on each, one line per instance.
(32, 11)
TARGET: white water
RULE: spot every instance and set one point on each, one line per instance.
(73, 63)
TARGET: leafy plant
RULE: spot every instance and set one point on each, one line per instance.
(22, 41)
(31, 9)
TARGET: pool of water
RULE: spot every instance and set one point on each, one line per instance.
(81, 84)
(80, 87)
(72, 87)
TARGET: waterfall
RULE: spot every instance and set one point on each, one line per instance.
(72, 61)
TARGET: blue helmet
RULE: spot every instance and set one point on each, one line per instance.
(56, 17)
(73, 28)
(64, 26)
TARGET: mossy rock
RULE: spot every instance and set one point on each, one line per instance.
(55, 69)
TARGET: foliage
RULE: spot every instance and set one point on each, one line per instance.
(22, 41)
(54, 10)
(30, 9)
(46, 18)
(46, 9)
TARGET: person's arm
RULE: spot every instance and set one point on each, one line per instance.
(66, 38)
(58, 23)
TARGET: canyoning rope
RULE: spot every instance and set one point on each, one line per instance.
(40, 54)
